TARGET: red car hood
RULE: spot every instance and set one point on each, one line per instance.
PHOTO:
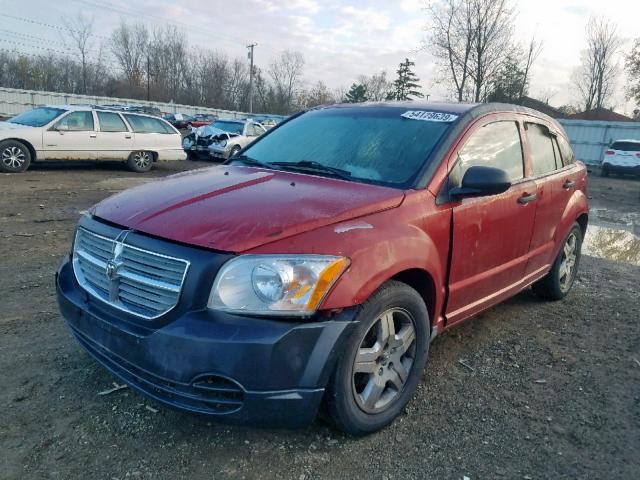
(235, 209)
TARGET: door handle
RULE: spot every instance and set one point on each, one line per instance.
(127, 136)
(526, 198)
(93, 135)
(569, 184)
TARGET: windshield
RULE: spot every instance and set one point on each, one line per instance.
(371, 145)
(231, 127)
(37, 117)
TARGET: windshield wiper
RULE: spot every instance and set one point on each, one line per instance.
(251, 162)
(310, 166)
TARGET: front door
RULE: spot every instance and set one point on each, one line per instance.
(491, 234)
(73, 137)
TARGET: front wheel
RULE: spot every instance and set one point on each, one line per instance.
(379, 370)
(140, 162)
(234, 151)
(557, 283)
(14, 157)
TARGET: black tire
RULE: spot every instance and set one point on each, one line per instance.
(348, 392)
(555, 286)
(15, 157)
(234, 151)
(604, 171)
(140, 161)
(191, 156)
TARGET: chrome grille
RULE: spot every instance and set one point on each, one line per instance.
(134, 280)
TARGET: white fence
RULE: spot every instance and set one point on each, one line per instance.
(14, 101)
(590, 138)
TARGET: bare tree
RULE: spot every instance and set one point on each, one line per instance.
(129, 45)
(378, 86)
(471, 38)
(286, 74)
(596, 77)
(533, 51)
(80, 30)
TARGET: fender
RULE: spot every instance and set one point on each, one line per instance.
(576, 206)
(380, 246)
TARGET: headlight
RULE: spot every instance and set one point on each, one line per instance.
(223, 143)
(275, 284)
(187, 142)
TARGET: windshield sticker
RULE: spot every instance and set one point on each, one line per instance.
(429, 116)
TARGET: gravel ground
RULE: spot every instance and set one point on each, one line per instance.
(549, 390)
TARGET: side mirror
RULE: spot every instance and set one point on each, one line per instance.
(479, 181)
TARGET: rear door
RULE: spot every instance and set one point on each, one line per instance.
(73, 137)
(555, 183)
(115, 140)
(491, 235)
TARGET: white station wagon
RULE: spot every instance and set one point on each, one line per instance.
(75, 132)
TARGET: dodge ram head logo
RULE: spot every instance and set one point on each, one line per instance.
(114, 264)
(111, 270)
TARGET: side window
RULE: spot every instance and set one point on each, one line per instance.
(568, 157)
(111, 122)
(80, 121)
(494, 145)
(544, 160)
(253, 130)
(141, 124)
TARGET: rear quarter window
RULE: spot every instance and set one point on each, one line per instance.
(141, 124)
(568, 157)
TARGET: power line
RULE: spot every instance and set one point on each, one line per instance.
(158, 18)
(49, 25)
(251, 47)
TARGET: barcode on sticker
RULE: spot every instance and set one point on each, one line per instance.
(429, 116)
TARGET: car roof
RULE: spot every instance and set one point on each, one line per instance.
(105, 108)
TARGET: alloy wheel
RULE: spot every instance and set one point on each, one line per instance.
(566, 271)
(384, 360)
(13, 157)
(142, 159)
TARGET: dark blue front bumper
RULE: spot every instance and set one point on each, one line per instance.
(239, 369)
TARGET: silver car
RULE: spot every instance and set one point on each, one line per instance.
(222, 139)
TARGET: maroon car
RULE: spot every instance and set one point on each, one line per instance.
(312, 270)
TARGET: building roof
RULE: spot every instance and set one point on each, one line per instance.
(602, 114)
(541, 107)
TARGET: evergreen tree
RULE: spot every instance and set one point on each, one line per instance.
(508, 84)
(406, 86)
(356, 94)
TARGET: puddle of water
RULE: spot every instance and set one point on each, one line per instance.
(618, 244)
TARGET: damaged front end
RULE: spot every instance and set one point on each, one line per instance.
(207, 141)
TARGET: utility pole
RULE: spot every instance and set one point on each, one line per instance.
(250, 55)
(148, 77)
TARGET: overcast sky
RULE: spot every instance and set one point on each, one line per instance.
(339, 39)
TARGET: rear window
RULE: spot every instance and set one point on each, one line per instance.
(626, 146)
(540, 142)
(141, 124)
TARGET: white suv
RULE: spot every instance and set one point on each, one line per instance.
(86, 133)
(622, 156)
